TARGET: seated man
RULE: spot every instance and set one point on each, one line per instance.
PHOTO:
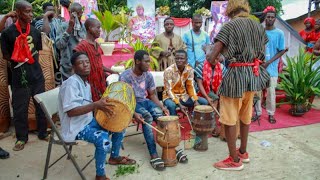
(77, 121)
(178, 85)
(208, 78)
(147, 110)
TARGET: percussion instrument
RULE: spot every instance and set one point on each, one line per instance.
(121, 95)
(4, 96)
(203, 123)
(169, 125)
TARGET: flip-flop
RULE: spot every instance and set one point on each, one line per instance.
(157, 164)
(182, 158)
(122, 160)
(4, 154)
(19, 146)
(272, 120)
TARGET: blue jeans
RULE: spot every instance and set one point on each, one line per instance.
(95, 134)
(149, 111)
(189, 103)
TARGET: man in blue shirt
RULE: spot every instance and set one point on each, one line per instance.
(194, 40)
(275, 48)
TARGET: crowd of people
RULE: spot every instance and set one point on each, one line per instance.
(227, 75)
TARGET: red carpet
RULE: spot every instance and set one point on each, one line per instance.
(284, 120)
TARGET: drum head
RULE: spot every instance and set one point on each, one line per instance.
(117, 122)
(168, 118)
(203, 108)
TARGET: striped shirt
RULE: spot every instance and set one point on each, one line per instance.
(243, 39)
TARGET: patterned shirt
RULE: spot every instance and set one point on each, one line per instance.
(243, 39)
(179, 86)
(140, 84)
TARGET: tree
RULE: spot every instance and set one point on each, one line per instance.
(260, 5)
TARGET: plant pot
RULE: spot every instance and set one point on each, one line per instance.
(107, 48)
(118, 68)
(297, 109)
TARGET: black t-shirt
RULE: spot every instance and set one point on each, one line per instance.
(33, 71)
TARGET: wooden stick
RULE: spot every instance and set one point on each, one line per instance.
(153, 127)
(216, 111)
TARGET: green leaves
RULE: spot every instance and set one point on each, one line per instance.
(125, 170)
(300, 80)
(108, 21)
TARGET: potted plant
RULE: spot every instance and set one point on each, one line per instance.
(300, 81)
(138, 45)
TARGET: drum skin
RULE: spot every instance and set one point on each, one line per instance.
(121, 95)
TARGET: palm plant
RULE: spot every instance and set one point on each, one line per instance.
(138, 45)
(301, 80)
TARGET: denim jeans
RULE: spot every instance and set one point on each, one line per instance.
(95, 134)
(150, 112)
(189, 103)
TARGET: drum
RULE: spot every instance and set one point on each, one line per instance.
(122, 96)
(4, 96)
(203, 123)
(169, 125)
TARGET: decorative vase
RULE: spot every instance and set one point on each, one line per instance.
(107, 48)
(297, 109)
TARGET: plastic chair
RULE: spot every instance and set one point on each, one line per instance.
(49, 104)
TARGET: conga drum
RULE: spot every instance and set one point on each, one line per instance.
(203, 122)
(121, 95)
(169, 125)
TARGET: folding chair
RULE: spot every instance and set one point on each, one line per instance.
(49, 104)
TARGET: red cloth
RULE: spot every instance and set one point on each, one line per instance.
(255, 65)
(21, 51)
(97, 77)
(269, 9)
(180, 22)
(207, 75)
(311, 20)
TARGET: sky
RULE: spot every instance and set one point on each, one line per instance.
(294, 8)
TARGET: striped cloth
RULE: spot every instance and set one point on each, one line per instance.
(243, 39)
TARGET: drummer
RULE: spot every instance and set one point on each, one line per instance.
(75, 112)
(147, 110)
(179, 90)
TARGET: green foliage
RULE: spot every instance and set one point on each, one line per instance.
(299, 80)
(185, 8)
(108, 21)
(260, 5)
(125, 170)
(138, 45)
(114, 6)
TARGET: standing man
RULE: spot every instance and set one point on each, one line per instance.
(70, 35)
(275, 48)
(179, 90)
(241, 41)
(169, 42)
(195, 39)
(77, 121)
(97, 77)
(20, 45)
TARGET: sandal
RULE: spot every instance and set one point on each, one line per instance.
(182, 158)
(4, 154)
(19, 146)
(255, 118)
(102, 178)
(272, 120)
(121, 160)
(157, 164)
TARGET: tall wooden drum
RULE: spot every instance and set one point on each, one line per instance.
(203, 123)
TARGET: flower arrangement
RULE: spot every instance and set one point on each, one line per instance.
(163, 11)
(203, 12)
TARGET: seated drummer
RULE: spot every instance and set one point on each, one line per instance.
(179, 90)
(147, 110)
(208, 78)
(77, 121)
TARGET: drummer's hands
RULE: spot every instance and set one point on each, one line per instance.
(138, 118)
(183, 108)
(103, 105)
(196, 103)
(165, 111)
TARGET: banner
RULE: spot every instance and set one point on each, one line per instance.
(218, 9)
(142, 24)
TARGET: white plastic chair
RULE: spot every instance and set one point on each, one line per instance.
(49, 104)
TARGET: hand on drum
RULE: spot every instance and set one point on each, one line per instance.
(103, 105)
(165, 111)
(183, 108)
(138, 118)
